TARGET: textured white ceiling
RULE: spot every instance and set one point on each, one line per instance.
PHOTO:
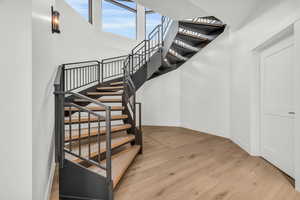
(233, 12)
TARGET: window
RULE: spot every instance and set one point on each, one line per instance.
(81, 6)
(152, 20)
(119, 17)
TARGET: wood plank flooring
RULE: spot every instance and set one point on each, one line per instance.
(180, 164)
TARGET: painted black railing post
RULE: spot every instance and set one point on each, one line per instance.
(62, 117)
(139, 131)
(57, 124)
(108, 154)
(131, 63)
(59, 87)
(99, 66)
(162, 31)
(102, 71)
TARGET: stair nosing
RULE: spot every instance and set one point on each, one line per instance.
(94, 132)
(124, 140)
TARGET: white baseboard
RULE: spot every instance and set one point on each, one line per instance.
(50, 181)
(173, 124)
(297, 186)
(240, 144)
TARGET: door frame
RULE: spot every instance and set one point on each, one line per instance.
(292, 29)
(282, 44)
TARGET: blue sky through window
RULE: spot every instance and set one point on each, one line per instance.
(152, 20)
(81, 6)
(118, 20)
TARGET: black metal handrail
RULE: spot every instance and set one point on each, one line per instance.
(63, 145)
(77, 75)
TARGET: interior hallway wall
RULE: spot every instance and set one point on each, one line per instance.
(196, 96)
(160, 99)
(42, 98)
(78, 41)
(297, 99)
(205, 89)
(15, 101)
(244, 99)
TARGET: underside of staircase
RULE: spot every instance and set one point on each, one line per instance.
(98, 122)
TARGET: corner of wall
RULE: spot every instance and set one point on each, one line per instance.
(50, 180)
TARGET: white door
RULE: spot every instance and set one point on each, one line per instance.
(277, 126)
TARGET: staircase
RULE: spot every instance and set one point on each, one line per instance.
(186, 38)
(98, 125)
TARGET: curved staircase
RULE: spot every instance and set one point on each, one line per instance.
(98, 125)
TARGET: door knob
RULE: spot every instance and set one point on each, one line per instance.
(292, 113)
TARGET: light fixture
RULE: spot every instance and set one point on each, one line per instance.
(55, 20)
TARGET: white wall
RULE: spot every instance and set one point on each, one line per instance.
(297, 99)
(205, 89)
(43, 72)
(15, 101)
(160, 99)
(244, 63)
(81, 41)
(78, 41)
(196, 96)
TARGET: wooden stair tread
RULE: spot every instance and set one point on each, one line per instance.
(93, 119)
(94, 132)
(111, 88)
(116, 83)
(85, 119)
(104, 93)
(96, 108)
(100, 100)
(120, 163)
(115, 142)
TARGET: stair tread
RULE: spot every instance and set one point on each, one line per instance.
(111, 88)
(92, 119)
(113, 117)
(116, 83)
(100, 100)
(120, 163)
(202, 23)
(96, 108)
(104, 93)
(94, 131)
(115, 142)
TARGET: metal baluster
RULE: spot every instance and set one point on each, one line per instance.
(68, 80)
(70, 128)
(99, 140)
(77, 78)
(102, 70)
(95, 73)
(85, 73)
(80, 70)
(79, 127)
(112, 69)
(73, 78)
(89, 133)
(108, 151)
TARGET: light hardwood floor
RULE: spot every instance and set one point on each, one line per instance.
(180, 164)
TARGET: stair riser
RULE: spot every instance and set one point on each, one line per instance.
(93, 134)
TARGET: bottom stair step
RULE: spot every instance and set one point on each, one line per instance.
(120, 163)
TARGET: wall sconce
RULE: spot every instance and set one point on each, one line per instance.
(55, 20)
